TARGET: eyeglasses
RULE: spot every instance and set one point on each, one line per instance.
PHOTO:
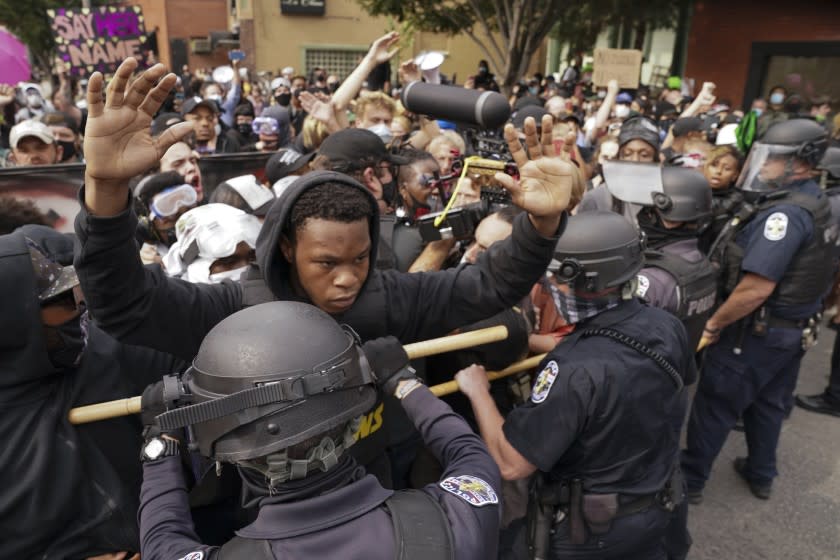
(167, 203)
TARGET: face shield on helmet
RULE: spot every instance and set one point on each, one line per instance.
(768, 167)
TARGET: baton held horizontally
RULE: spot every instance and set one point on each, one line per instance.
(452, 386)
(125, 407)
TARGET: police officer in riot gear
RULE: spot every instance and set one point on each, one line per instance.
(677, 277)
(638, 142)
(603, 421)
(277, 390)
(777, 266)
(828, 402)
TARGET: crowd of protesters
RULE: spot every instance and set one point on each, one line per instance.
(136, 260)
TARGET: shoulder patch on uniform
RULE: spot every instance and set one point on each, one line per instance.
(471, 489)
(197, 555)
(775, 228)
(544, 382)
(643, 284)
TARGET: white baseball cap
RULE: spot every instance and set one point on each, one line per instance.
(280, 81)
(30, 128)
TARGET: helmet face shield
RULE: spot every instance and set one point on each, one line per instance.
(767, 167)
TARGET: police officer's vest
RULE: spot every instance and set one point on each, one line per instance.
(421, 532)
(813, 267)
(696, 289)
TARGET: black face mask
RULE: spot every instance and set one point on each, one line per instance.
(283, 99)
(68, 150)
(244, 129)
(333, 87)
(66, 343)
(389, 190)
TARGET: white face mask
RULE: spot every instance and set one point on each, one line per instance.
(622, 111)
(218, 129)
(234, 275)
(383, 131)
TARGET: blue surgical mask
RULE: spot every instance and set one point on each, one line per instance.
(534, 90)
(758, 112)
(777, 98)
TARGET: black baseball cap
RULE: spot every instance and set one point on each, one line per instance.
(164, 121)
(285, 162)
(193, 103)
(687, 124)
(520, 115)
(347, 148)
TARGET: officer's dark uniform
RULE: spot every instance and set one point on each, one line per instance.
(725, 202)
(680, 279)
(603, 413)
(753, 375)
(349, 522)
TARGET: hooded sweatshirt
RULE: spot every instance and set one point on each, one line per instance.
(69, 491)
(141, 305)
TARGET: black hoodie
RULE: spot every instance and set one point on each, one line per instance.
(68, 491)
(141, 305)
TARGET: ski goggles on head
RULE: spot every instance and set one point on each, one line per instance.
(265, 125)
(167, 202)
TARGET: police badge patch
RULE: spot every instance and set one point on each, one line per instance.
(775, 228)
(471, 489)
(544, 382)
(197, 555)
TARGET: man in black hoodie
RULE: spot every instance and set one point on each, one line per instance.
(325, 258)
(69, 491)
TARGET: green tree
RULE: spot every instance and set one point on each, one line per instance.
(28, 20)
(508, 32)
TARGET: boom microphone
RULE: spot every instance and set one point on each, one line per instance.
(485, 109)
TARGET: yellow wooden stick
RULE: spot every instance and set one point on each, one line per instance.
(452, 386)
(132, 405)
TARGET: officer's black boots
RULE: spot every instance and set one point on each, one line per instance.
(760, 491)
(822, 404)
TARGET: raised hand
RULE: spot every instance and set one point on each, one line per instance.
(409, 72)
(7, 94)
(379, 49)
(320, 109)
(118, 141)
(546, 182)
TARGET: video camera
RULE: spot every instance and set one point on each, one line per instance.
(482, 115)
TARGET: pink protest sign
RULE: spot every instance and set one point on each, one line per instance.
(99, 38)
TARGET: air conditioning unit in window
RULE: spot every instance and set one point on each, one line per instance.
(201, 46)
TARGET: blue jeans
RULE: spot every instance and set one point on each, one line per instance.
(755, 385)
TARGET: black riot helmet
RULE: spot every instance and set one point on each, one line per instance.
(686, 195)
(795, 139)
(272, 376)
(597, 250)
(830, 163)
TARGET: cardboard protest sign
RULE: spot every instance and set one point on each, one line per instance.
(99, 38)
(623, 65)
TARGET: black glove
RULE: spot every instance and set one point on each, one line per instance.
(389, 362)
(158, 398)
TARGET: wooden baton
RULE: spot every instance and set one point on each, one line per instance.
(125, 407)
(452, 386)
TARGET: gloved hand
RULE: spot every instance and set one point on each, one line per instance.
(389, 362)
(152, 404)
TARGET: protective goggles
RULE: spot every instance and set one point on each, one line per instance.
(265, 125)
(167, 202)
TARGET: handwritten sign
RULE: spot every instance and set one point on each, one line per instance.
(310, 7)
(99, 38)
(623, 65)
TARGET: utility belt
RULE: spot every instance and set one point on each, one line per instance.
(761, 320)
(559, 502)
